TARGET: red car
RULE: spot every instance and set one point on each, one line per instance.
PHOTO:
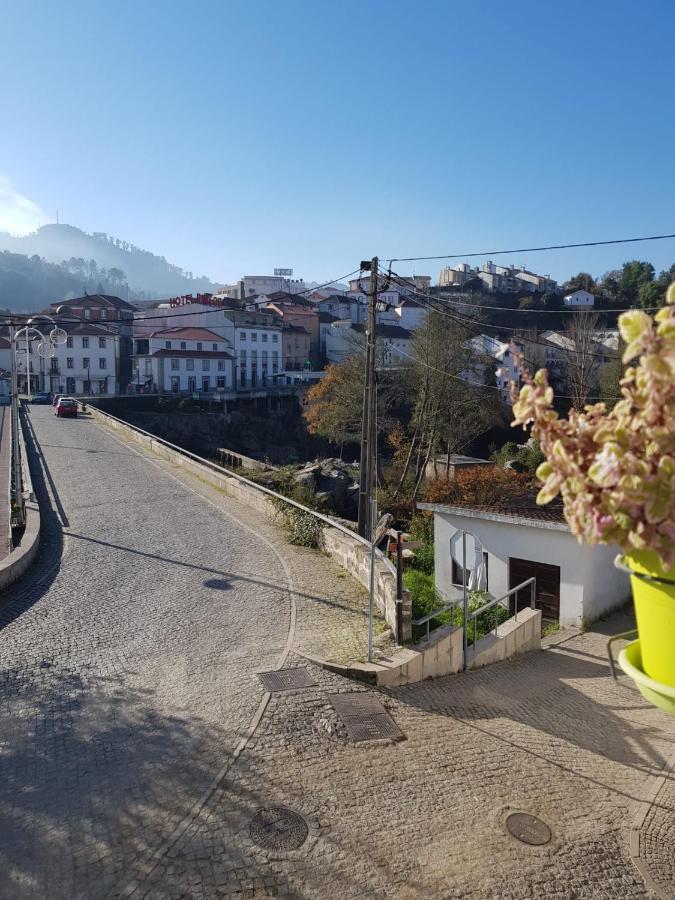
(66, 406)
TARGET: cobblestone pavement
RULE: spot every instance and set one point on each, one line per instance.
(549, 734)
(128, 673)
(129, 679)
(332, 607)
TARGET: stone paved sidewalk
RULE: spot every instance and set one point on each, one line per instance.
(332, 607)
(549, 733)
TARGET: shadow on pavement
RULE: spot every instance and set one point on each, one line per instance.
(22, 594)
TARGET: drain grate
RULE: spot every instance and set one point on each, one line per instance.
(528, 829)
(286, 679)
(278, 828)
(364, 717)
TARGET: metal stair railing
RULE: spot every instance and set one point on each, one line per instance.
(478, 612)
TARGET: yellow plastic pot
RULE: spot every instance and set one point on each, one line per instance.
(630, 660)
(655, 613)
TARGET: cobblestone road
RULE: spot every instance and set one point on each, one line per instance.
(128, 675)
(129, 680)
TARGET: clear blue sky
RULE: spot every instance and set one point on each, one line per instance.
(236, 136)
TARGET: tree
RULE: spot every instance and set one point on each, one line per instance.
(334, 404)
(582, 355)
(583, 281)
(635, 275)
(609, 378)
(116, 278)
(449, 404)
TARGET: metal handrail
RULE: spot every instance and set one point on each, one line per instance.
(474, 615)
(425, 620)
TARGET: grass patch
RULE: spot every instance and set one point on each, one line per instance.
(550, 628)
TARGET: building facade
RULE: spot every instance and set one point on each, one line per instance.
(574, 584)
(113, 312)
(581, 298)
(183, 360)
(88, 363)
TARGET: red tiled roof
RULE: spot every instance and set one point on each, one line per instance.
(199, 354)
(188, 334)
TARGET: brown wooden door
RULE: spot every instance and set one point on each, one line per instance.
(547, 596)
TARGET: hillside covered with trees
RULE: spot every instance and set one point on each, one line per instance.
(89, 259)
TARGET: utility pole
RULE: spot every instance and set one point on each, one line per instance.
(368, 429)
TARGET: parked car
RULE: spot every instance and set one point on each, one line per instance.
(41, 397)
(5, 400)
(56, 398)
(66, 407)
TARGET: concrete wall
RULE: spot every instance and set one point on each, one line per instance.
(347, 551)
(515, 636)
(590, 585)
(443, 654)
(355, 558)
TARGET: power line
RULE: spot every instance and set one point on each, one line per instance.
(654, 237)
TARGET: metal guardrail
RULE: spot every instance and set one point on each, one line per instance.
(478, 612)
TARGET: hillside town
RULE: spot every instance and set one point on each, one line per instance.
(268, 331)
(352, 578)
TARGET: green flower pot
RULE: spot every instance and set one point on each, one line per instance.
(655, 613)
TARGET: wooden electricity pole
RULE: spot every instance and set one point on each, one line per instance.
(368, 428)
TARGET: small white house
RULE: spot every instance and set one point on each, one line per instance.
(579, 299)
(575, 583)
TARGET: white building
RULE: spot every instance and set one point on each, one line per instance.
(410, 314)
(253, 337)
(344, 339)
(495, 277)
(579, 298)
(503, 354)
(575, 583)
(269, 284)
(456, 276)
(183, 360)
(88, 363)
(404, 284)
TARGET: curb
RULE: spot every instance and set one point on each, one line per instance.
(637, 824)
(18, 561)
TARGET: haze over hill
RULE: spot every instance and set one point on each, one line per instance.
(82, 261)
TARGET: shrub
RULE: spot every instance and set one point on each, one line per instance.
(479, 486)
(421, 527)
(300, 527)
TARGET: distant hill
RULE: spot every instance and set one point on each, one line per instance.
(99, 257)
(28, 283)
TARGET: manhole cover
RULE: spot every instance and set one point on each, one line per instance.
(528, 829)
(364, 717)
(286, 679)
(278, 828)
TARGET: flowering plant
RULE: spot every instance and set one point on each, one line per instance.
(615, 471)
